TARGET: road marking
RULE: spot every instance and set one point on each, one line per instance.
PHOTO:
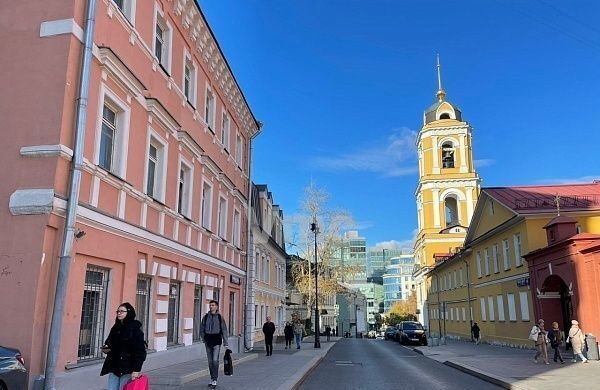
(343, 363)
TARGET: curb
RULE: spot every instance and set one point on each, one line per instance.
(296, 380)
(418, 351)
(496, 380)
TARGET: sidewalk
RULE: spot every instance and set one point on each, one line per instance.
(513, 368)
(284, 370)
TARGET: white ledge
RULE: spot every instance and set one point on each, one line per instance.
(47, 151)
(31, 201)
(59, 27)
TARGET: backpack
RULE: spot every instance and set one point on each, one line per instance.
(535, 331)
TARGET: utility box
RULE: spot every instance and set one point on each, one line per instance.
(592, 347)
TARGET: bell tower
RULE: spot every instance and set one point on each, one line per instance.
(448, 183)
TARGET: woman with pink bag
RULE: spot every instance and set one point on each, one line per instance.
(125, 350)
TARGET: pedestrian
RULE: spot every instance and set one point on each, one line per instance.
(125, 349)
(328, 332)
(288, 331)
(269, 330)
(476, 333)
(298, 332)
(539, 335)
(335, 332)
(213, 331)
(556, 337)
(577, 341)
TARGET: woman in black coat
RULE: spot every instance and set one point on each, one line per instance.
(125, 349)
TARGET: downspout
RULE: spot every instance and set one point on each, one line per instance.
(250, 261)
(72, 202)
(469, 298)
(439, 307)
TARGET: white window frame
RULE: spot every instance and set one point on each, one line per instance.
(479, 274)
(495, 258)
(225, 130)
(185, 208)
(210, 108)
(491, 315)
(237, 227)
(167, 44)
(239, 149)
(524, 302)
(128, 10)
(483, 308)
(518, 250)
(188, 62)
(500, 305)
(486, 258)
(512, 309)
(162, 152)
(206, 205)
(222, 208)
(121, 138)
(464, 314)
(455, 279)
(506, 252)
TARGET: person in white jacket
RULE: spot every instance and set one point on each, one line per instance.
(577, 341)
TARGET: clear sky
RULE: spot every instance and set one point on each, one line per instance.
(341, 87)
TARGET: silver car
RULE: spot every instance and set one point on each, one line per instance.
(13, 374)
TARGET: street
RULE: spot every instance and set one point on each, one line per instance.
(380, 364)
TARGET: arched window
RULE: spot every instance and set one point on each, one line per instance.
(447, 155)
(445, 116)
(451, 207)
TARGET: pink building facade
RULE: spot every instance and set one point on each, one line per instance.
(162, 216)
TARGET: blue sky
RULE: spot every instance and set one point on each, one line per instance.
(341, 87)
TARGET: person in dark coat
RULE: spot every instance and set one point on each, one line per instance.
(328, 332)
(476, 333)
(288, 331)
(556, 337)
(214, 333)
(125, 349)
(269, 330)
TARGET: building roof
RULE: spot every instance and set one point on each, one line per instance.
(535, 199)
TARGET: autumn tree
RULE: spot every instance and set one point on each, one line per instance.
(404, 310)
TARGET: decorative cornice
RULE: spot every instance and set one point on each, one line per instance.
(58, 150)
(156, 108)
(121, 73)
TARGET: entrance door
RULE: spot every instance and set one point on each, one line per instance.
(566, 306)
(173, 316)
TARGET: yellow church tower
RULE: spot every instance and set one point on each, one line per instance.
(448, 186)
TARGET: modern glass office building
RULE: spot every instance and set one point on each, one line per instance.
(398, 281)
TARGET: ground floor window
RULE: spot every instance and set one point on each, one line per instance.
(197, 313)
(173, 315)
(142, 303)
(93, 312)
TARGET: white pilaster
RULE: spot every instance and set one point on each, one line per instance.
(436, 207)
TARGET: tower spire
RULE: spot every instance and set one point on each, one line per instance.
(441, 94)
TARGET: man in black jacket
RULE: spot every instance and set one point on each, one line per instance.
(214, 333)
(269, 329)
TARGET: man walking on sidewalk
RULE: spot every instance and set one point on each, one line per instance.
(214, 333)
(288, 331)
(539, 334)
(269, 329)
(475, 331)
(298, 332)
(328, 332)
(556, 339)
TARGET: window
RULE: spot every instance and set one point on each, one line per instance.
(451, 207)
(256, 316)
(91, 326)
(478, 265)
(197, 313)
(500, 304)
(112, 133)
(524, 305)
(184, 190)
(222, 218)
(173, 314)
(206, 205)
(107, 138)
(189, 80)
(162, 42)
(518, 258)
(495, 257)
(447, 155)
(461, 276)
(209, 113)
(506, 253)
(237, 219)
(268, 271)
(482, 304)
(512, 312)
(491, 308)
(486, 256)
(156, 169)
(464, 316)
(232, 314)
(239, 149)
(455, 280)
(225, 131)
(127, 8)
(142, 303)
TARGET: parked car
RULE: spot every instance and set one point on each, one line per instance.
(390, 333)
(411, 332)
(13, 374)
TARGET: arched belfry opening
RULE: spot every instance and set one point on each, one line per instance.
(451, 210)
(447, 155)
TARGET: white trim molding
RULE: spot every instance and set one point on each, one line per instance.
(58, 27)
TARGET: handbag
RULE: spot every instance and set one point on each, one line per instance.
(533, 335)
(140, 383)
(228, 363)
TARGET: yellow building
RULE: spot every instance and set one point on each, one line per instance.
(508, 222)
(447, 191)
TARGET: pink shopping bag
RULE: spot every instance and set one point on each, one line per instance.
(140, 383)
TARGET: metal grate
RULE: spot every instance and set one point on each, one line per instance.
(91, 329)
(173, 316)
(197, 312)
(142, 303)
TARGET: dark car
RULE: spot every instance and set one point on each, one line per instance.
(13, 374)
(411, 332)
(390, 333)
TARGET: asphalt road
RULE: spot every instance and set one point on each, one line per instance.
(381, 364)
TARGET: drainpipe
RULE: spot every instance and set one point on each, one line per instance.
(73, 200)
(250, 260)
(439, 308)
(469, 298)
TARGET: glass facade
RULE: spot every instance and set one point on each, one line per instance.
(398, 281)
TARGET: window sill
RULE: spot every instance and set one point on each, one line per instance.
(192, 106)
(161, 66)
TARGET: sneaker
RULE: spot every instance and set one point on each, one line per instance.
(213, 383)
(574, 360)
(585, 361)
(562, 362)
(547, 363)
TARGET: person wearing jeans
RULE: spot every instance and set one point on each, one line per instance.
(214, 333)
(298, 332)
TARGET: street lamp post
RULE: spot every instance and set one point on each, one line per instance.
(315, 229)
